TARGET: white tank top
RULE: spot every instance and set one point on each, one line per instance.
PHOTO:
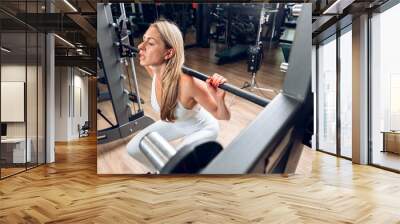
(181, 112)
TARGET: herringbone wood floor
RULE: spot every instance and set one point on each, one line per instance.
(70, 191)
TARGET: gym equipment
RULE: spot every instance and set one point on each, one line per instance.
(286, 50)
(105, 95)
(296, 10)
(202, 25)
(112, 37)
(284, 66)
(231, 54)
(287, 36)
(188, 159)
(254, 60)
(218, 32)
(272, 143)
(236, 23)
(186, 15)
(255, 52)
(180, 13)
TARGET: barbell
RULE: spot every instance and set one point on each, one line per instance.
(226, 86)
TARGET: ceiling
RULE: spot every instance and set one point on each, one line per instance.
(73, 26)
(332, 15)
(72, 20)
(79, 27)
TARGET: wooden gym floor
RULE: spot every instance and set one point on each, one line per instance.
(70, 191)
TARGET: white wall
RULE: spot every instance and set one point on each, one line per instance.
(13, 101)
(70, 83)
(33, 126)
(61, 103)
(12, 73)
(80, 82)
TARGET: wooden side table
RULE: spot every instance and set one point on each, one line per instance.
(391, 141)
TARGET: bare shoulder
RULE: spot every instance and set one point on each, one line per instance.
(191, 82)
(187, 83)
(193, 87)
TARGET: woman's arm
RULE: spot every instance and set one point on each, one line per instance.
(212, 98)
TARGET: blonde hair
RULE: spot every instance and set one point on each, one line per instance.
(172, 37)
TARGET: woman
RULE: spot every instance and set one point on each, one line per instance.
(188, 107)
